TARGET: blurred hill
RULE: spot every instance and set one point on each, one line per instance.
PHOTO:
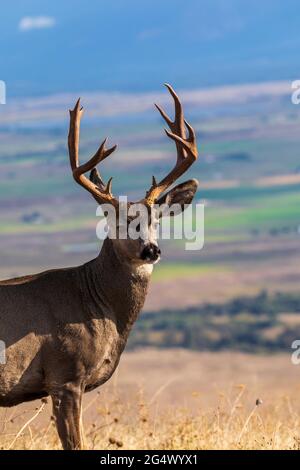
(249, 175)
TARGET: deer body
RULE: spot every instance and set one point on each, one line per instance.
(94, 305)
(64, 330)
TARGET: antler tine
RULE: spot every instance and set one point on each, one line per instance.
(100, 191)
(176, 126)
(179, 119)
(99, 156)
(73, 137)
(186, 147)
(164, 115)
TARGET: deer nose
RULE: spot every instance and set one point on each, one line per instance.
(150, 252)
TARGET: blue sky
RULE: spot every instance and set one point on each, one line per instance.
(58, 46)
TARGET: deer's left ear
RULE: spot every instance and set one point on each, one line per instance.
(179, 197)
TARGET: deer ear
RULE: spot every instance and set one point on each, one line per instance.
(180, 196)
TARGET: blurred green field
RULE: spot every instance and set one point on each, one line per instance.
(273, 209)
(245, 220)
(177, 270)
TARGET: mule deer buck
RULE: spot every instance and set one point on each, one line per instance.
(65, 329)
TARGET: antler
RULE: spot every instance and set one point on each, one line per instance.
(186, 147)
(95, 185)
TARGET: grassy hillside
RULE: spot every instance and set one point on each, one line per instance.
(264, 323)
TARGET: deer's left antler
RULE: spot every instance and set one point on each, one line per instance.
(186, 147)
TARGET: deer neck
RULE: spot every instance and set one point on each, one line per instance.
(115, 288)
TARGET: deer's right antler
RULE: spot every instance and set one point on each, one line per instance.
(95, 185)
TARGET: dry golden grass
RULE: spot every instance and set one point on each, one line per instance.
(137, 424)
(187, 400)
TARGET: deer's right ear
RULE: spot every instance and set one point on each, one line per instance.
(177, 198)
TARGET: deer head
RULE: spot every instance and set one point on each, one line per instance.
(142, 249)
